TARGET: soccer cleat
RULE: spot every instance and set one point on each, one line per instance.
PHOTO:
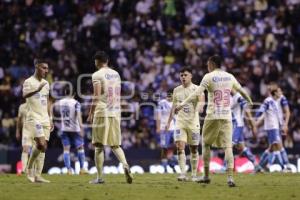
(182, 177)
(40, 179)
(30, 175)
(258, 169)
(230, 182)
(194, 179)
(97, 181)
(70, 172)
(204, 180)
(83, 172)
(128, 175)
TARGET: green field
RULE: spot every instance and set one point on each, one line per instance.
(154, 187)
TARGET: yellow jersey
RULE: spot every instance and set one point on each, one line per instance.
(37, 104)
(109, 101)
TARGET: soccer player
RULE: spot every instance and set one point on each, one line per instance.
(38, 122)
(217, 128)
(166, 137)
(239, 107)
(26, 142)
(105, 114)
(187, 123)
(72, 130)
(276, 110)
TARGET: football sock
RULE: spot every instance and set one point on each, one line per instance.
(34, 154)
(229, 160)
(164, 163)
(24, 159)
(67, 159)
(39, 163)
(182, 160)
(264, 158)
(248, 154)
(271, 158)
(99, 159)
(284, 156)
(81, 157)
(119, 153)
(206, 159)
(194, 163)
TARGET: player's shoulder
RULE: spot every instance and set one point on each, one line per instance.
(176, 89)
(29, 79)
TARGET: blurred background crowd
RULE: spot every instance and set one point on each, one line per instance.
(148, 42)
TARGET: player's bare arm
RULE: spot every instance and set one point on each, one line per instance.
(95, 99)
(244, 94)
(79, 117)
(249, 117)
(158, 122)
(49, 106)
(287, 114)
(19, 126)
(201, 103)
(197, 92)
(171, 116)
(36, 91)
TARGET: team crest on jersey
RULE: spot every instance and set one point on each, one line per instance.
(111, 76)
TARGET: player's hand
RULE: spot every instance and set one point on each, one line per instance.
(18, 135)
(90, 118)
(254, 131)
(81, 133)
(284, 130)
(167, 127)
(51, 126)
(158, 130)
(178, 108)
(41, 86)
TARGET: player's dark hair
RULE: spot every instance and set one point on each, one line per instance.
(68, 91)
(186, 69)
(37, 61)
(101, 56)
(216, 60)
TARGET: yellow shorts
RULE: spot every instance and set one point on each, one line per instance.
(107, 131)
(217, 132)
(189, 136)
(33, 130)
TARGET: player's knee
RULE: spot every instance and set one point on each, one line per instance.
(25, 149)
(114, 147)
(80, 148)
(194, 149)
(41, 146)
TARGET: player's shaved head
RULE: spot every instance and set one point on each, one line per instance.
(38, 61)
(216, 60)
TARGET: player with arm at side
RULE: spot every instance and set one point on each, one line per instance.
(187, 123)
(217, 128)
(38, 124)
(239, 108)
(166, 137)
(26, 142)
(72, 130)
(105, 115)
(275, 114)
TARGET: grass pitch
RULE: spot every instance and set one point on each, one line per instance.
(154, 187)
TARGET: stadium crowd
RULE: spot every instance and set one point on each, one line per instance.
(148, 42)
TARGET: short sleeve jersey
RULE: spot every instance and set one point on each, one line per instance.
(22, 111)
(219, 84)
(37, 104)
(109, 101)
(188, 116)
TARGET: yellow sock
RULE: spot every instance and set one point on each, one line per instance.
(119, 153)
(99, 159)
(24, 159)
(182, 161)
